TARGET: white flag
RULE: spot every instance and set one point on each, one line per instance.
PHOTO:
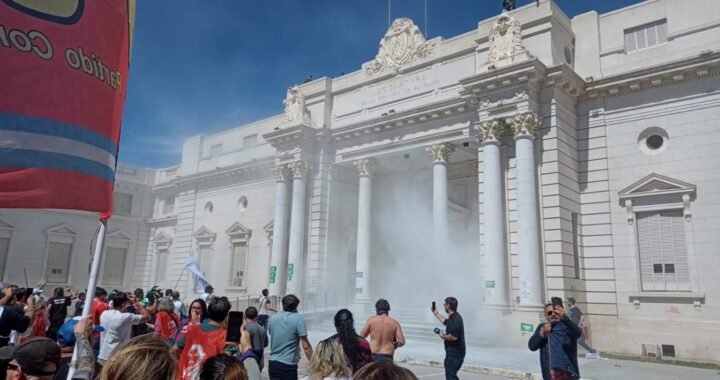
(199, 280)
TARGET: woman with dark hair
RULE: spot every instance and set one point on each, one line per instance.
(197, 314)
(384, 370)
(223, 367)
(357, 349)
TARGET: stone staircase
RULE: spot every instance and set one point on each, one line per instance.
(417, 325)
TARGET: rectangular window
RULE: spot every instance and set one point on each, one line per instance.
(576, 244)
(237, 266)
(114, 266)
(206, 261)
(249, 141)
(161, 261)
(168, 206)
(645, 36)
(58, 262)
(663, 252)
(216, 150)
(4, 248)
(122, 203)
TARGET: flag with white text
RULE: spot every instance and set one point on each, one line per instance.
(63, 74)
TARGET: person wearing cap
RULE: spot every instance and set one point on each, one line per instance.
(208, 295)
(35, 359)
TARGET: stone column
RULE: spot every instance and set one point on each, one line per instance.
(494, 242)
(362, 263)
(278, 256)
(440, 154)
(525, 128)
(295, 269)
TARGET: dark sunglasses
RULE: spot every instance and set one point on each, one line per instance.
(549, 313)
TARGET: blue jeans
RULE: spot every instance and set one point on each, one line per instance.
(282, 371)
(382, 357)
(452, 366)
(262, 320)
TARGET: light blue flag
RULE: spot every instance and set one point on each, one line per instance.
(199, 280)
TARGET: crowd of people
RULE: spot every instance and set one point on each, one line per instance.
(151, 335)
(155, 335)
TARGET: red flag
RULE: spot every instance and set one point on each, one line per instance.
(63, 74)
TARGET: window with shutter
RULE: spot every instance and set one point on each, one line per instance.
(58, 262)
(206, 261)
(645, 36)
(4, 248)
(122, 203)
(663, 251)
(114, 266)
(237, 265)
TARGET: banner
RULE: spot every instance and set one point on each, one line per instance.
(199, 280)
(63, 75)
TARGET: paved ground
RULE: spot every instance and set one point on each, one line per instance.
(430, 373)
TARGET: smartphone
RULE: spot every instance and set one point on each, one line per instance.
(433, 306)
(235, 321)
(556, 301)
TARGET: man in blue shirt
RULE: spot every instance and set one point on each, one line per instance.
(287, 331)
(557, 342)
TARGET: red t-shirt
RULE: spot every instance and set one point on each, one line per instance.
(98, 307)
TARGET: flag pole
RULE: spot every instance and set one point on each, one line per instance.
(178, 281)
(92, 282)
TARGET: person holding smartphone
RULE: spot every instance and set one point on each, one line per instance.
(453, 337)
(557, 342)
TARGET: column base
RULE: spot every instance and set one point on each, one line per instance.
(360, 308)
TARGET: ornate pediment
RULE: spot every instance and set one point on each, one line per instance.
(656, 184)
(657, 192)
(62, 229)
(402, 44)
(118, 235)
(238, 231)
(204, 236)
(162, 240)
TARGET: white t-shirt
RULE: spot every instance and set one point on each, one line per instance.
(118, 327)
(262, 308)
(179, 307)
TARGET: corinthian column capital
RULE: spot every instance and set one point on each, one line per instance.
(280, 172)
(440, 152)
(490, 130)
(299, 168)
(364, 166)
(524, 124)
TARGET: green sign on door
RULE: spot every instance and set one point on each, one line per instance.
(526, 327)
(290, 271)
(490, 284)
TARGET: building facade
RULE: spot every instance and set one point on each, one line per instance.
(532, 157)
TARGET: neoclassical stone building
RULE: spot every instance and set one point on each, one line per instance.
(534, 156)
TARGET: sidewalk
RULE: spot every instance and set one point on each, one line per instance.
(524, 364)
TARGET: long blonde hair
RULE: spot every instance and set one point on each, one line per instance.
(329, 360)
(142, 357)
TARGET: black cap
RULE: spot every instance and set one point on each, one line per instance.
(33, 355)
(209, 289)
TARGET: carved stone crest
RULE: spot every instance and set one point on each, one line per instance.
(402, 44)
(295, 110)
(506, 40)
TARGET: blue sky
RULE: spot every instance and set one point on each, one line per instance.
(198, 68)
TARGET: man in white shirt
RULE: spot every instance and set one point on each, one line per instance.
(118, 323)
(178, 305)
(264, 309)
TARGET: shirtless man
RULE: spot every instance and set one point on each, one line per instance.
(385, 333)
